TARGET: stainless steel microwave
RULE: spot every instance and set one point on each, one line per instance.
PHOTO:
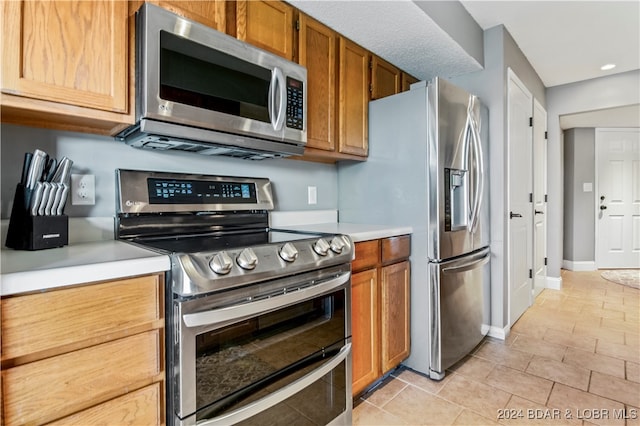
(202, 91)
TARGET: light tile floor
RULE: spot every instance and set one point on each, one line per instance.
(572, 358)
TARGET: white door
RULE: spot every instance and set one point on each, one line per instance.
(539, 198)
(519, 146)
(618, 203)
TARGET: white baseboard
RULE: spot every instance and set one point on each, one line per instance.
(579, 266)
(499, 333)
(554, 283)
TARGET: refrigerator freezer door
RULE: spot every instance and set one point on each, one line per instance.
(458, 318)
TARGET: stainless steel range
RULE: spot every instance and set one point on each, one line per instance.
(258, 320)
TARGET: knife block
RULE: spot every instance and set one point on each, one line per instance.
(28, 232)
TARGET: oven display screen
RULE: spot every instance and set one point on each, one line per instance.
(175, 191)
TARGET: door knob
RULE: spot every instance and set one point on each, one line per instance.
(512, 215)
(538, 212)
(603, 207)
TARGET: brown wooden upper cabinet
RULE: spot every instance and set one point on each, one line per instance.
(66, 62)
(267, 25)
(407, 81)
(317, 45)
(337, 93)
(353, 103)
(211, 13)
(386, 79)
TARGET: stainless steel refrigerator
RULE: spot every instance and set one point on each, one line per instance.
(427, 168)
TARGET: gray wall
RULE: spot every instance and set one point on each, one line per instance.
(579, 206)
(501, 52)
(100, 156)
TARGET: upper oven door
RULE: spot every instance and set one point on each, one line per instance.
(239, 360)
(193, 75)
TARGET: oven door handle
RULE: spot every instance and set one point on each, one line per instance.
(246, 310)
(279, 396)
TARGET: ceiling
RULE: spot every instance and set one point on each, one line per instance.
(568, 41)
(578, 37)
(565, 41)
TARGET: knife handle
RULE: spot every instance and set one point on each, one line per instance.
(36, 197)
(46, 191)
(25, 167)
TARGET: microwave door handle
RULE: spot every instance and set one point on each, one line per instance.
(272, 97)
(277, 99)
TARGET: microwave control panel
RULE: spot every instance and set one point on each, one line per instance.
(295, 104)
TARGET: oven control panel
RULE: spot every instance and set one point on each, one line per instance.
(214, 271)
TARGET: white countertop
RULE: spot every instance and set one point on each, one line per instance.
(85, 262)
(357, 231)
(27, 271)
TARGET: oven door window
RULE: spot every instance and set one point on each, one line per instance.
(243, 362)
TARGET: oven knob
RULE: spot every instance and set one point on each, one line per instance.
(221, 263)
(288, 252)
(321, 247)
(337, 244)
(247, 259)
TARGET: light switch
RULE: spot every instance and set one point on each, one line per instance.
(312, 195)
(587, 187)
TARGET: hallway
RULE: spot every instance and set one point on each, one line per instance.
(572, 358)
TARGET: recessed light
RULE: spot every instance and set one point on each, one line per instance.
(608, 67)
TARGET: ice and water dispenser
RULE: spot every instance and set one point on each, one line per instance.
(456, 199)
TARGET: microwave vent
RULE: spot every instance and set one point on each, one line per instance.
(216, 143)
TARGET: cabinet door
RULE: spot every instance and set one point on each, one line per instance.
(210, 13)
(140, 407)
(364, 329)
(407, 81)
(71, 52)
(386, 78)
(354, 99)
(317, 47)
(45, 390)
(266, 24)
(395, 284)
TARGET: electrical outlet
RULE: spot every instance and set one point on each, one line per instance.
(83, 190)
(312, 195)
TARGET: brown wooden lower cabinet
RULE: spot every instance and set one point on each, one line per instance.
(364, 329)
(380, 308)
(91, 354)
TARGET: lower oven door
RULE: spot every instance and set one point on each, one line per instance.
(278, 357)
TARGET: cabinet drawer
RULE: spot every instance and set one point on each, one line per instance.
(366, 255)
(44, 321)
(55, 387)
(141, 407)
(396, 248)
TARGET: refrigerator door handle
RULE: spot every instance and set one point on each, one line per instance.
(467, 266)
(474, 134)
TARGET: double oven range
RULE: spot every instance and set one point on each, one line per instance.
(258, 324)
